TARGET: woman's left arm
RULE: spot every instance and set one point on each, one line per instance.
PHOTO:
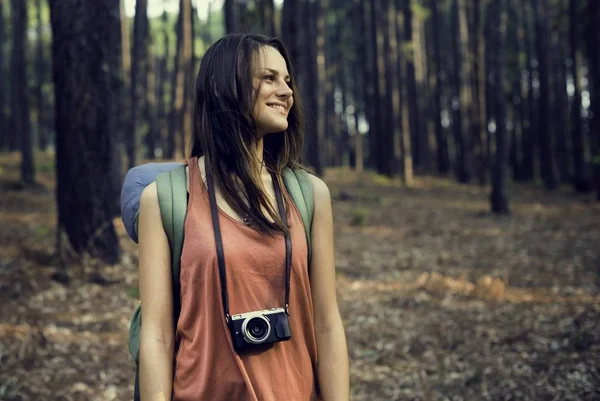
(332, 369)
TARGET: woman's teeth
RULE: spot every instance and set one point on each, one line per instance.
(276, 106)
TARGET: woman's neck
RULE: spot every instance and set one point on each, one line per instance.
(264, 173)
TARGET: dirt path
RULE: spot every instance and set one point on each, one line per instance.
(441, 301)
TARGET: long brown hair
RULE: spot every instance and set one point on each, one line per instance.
(225, 129)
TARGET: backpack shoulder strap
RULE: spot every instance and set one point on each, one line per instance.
(300, 189)
(172, 198)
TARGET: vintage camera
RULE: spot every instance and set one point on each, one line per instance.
(252, 329)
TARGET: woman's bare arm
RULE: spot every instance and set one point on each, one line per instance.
(157, 333)
(333, 374)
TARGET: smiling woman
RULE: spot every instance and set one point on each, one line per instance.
(255, 314)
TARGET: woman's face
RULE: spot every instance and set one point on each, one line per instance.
(274, 96)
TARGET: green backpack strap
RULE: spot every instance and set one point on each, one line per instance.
(172, 199)
(300, 189)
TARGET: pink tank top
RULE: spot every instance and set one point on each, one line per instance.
(206, 366)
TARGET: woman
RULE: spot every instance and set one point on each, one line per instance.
(248, 127)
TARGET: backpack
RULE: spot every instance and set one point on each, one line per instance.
(172, 198)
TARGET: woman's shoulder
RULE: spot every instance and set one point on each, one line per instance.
(320, 190)
(149, 200)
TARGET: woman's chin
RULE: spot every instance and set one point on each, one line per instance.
(274, 129)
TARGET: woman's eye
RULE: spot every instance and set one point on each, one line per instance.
(269, 78)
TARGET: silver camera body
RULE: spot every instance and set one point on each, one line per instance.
(252, 329)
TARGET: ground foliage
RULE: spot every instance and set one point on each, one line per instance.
(440, 299)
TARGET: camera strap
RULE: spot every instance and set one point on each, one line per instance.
(219, 242)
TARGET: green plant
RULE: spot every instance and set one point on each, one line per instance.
(359, 217)
(133, 292)
(42, 231)
(45, 167)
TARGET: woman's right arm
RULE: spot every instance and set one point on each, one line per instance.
(156, 294)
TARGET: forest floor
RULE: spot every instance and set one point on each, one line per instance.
(441, 300)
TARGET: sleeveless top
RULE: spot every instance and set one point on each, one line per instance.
(207, 368)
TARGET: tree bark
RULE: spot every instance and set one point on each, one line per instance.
(593, 43)
(497, 12)
(414, 115)
(581, 176)
(529, 138)
(359, 89)
(267, 14)
(20, 94)
(139, 57)
(151, 111)
(477, 127)
(560, 100)
(3, 119)
(125, 41)
(545, 127)
(443, 160)
(319, 16)
(390, 135)
(183, 54)
(404, 143)
(162, 93)
(42, 129)
(86, 38)
(231, 16)
(461, 103)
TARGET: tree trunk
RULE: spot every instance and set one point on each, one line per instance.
(372, 86)
(231, 16)
(86, 38)
(188, 93)
(267, 14)
(308, 74)
(390, 135)
(404, 143)
(423, 88)
(139, 57)
(20, 94)
(593, 42)
(359, 89)
(514, 75)
(414, 115)
(561, 102)
(497, 39)
(529, 126)
(477, 96)
(545, 127)
(443, 160)
(319, 16)
(125, 40)
(164, 76)
(581, 176)
(183, 54)
(3, 120)
(461, 103)
(124, 116)
(42, 129)
(151, 111)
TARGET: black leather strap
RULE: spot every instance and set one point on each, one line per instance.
(288, 242)
(219, 243)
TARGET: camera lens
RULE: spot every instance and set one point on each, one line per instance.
(257, 329)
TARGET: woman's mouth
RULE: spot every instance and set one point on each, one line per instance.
(278, 107)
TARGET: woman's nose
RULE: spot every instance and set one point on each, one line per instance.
(284, 91)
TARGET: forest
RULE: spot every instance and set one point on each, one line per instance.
(460, 140)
